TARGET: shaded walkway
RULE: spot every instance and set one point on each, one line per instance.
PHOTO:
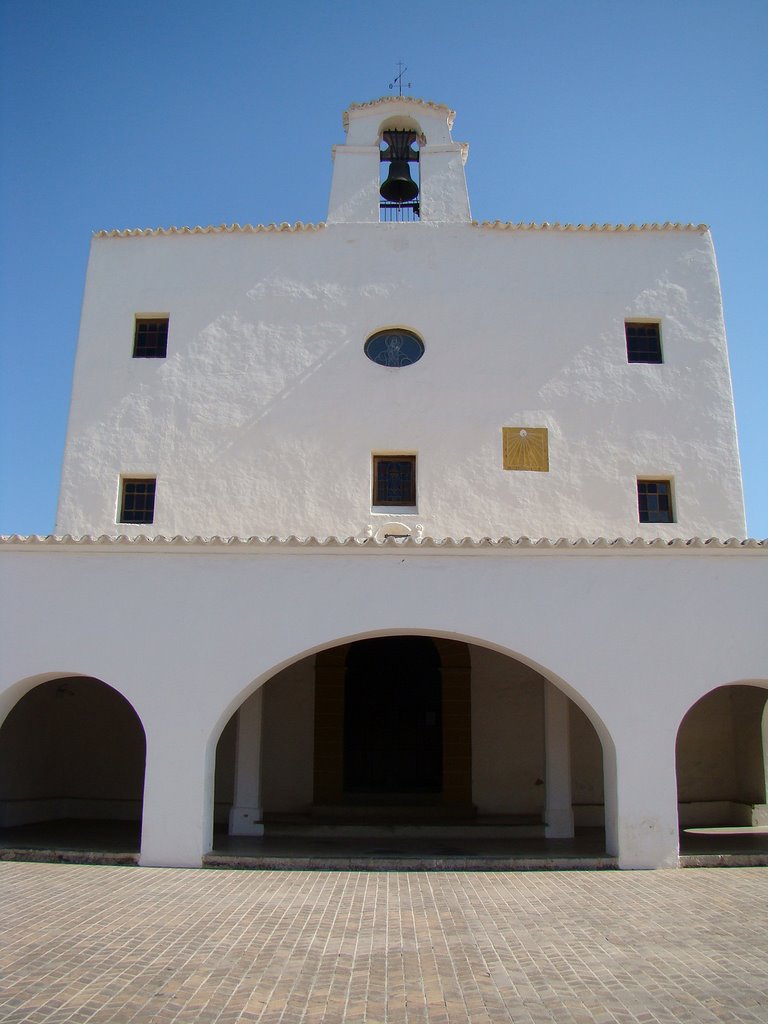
(95, 842)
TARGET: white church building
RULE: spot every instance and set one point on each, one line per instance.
(398, 517)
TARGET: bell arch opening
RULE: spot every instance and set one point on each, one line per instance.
(410, 729)
(722, 759)
(72, 760)
(399, 179)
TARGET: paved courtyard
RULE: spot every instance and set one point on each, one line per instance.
(95, 943)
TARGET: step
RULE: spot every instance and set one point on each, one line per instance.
(409, 830)
(404, 862)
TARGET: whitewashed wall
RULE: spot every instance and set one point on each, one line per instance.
(263, 417)
(634, 636)
(265, 414)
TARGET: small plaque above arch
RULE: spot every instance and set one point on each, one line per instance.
(398, 530)
(395, 347)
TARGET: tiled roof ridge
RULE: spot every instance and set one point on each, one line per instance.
(299, 226)
(399, 99)
(545, 543)
(211, 229)
(506, 225)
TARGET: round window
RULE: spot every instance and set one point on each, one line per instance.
(394, 347)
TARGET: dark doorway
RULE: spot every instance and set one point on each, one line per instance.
(393, 734)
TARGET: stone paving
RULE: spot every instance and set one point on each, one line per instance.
(93, 943)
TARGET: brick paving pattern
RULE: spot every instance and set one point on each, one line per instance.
(83, 943)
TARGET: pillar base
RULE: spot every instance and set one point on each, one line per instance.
(246, 821)
(647, 846)
(559, 823)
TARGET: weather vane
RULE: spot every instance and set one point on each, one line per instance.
(399, 79)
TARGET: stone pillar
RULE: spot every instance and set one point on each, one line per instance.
(177, 823)
(760, 810)
(646, 825)
(558, 812)
(246, 816)
(611, 797)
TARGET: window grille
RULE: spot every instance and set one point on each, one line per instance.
(137, 501)
(654, 501)
(394, 480)
(643, 342)
(150, 340)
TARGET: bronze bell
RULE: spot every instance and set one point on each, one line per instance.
(399, 186)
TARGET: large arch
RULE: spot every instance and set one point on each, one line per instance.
(72, 749)
(722, 758)
(251, 685)
(300, 762)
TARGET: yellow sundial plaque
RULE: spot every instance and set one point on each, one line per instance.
(525, 448)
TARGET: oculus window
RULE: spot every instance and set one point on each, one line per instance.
(394, 348)
(654, 501)
(137, 500)
(394, 480)
(150, 339)
(643, 342)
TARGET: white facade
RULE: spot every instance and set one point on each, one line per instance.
(264, 416)
(572, 663)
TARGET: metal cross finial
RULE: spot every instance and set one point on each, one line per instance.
(399, 79)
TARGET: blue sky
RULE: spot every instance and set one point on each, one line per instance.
(118, 115)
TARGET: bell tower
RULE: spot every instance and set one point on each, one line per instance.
(399, 163)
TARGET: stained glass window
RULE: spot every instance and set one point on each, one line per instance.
(394, 348)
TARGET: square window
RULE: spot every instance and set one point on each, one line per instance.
(654, 501)
(137, 501)
(394, 479)
(150, 339)
(643, 342)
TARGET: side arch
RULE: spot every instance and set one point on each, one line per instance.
(72, 748)
(721, 752)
